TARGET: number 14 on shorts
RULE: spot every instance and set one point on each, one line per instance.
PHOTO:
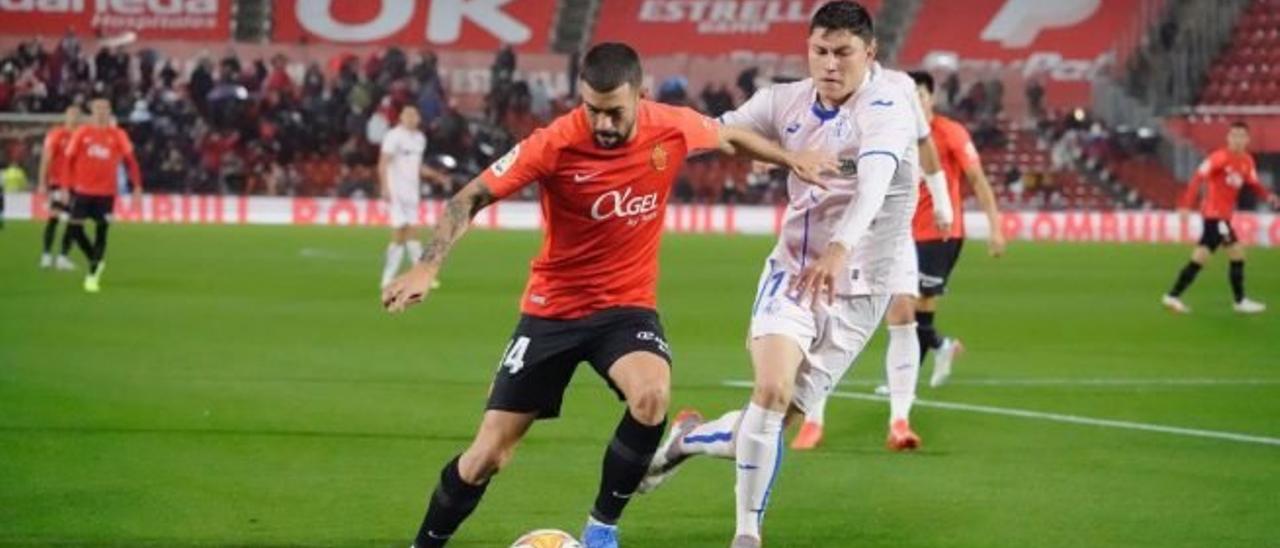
(513, 356)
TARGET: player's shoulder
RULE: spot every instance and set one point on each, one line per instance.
(653, 116)
(885, 91)
(565, 130)
(660, 113)
(949, 126)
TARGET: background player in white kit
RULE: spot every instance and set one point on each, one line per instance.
(830, 278)
(400, 173)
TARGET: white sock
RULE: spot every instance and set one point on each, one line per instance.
(415, 251)
(395, 254)
(759, 452)
(819, 412)
(713, 438)
(902, 368)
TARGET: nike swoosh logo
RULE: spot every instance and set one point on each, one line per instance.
(437, 537)
(622, 496)
(584, 177)
(881, 103)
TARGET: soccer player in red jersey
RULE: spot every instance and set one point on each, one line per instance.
(606, 170)
(93, 157)
(1225, 172)
(55, 183)
(937, 249)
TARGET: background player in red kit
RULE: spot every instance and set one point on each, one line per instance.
(937, 249)
(93, 156)
(1225, 172)
(606, 170)
(55, 182)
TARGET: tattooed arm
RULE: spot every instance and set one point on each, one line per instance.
(412, 287)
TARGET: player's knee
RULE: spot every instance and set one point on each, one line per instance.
(649, 404)
(902, 310)
(483, 460)
(772, 394)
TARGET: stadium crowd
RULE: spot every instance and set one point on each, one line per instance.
(250, 126)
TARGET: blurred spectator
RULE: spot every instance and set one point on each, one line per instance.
(1035, 97)
(951, 88)
(716, 100)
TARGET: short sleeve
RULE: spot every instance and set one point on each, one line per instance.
(126, 145)
(389, 142)
(885, 124)
(966, 152)
(700, 132)
(756, 114)
(531, 160)
(50, 143)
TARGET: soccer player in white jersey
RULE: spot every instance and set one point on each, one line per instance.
(842, 255)
(400, 173)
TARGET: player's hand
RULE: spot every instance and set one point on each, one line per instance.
(996, 245)
(820, 276)
(942, 217)
(1274, 200)
(809, 165)
(409, 288)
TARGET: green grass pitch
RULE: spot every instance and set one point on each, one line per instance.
(240, 386)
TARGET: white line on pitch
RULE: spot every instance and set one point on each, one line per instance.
(1057, 417)
(1090, 382)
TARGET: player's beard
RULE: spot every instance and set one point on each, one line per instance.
(608, 139)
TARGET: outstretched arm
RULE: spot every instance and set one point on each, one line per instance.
(413, 286)
(808, 165)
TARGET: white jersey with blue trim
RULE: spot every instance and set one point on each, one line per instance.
(883, 116)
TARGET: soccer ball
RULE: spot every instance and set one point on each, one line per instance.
(546, 538)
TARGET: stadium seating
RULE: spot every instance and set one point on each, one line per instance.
(1248, 70)
(1024, 154)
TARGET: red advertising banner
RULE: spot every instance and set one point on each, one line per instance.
(1013, 30)
(701, 27)
(150, 19)
(449, 24)
(1062, 42)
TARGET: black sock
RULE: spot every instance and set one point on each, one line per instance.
(625, 463)
(50, 230)
(929, 337)
(1185, 278)
(77, 235)
(451, 503)
(66, 240)
(1236, 273)
(99, 243)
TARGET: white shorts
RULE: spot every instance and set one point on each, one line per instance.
(884, 261)
(403, 212)
(831, 336)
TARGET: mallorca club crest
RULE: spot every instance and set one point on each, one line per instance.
(659, 158)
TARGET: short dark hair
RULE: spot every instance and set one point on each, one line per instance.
(1240, 124)
(609, 65)
(844, 15)
(922, 78)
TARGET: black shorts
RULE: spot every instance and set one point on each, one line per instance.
(98, 208)
(936, 259)
(542, 355)
(1217, 232)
